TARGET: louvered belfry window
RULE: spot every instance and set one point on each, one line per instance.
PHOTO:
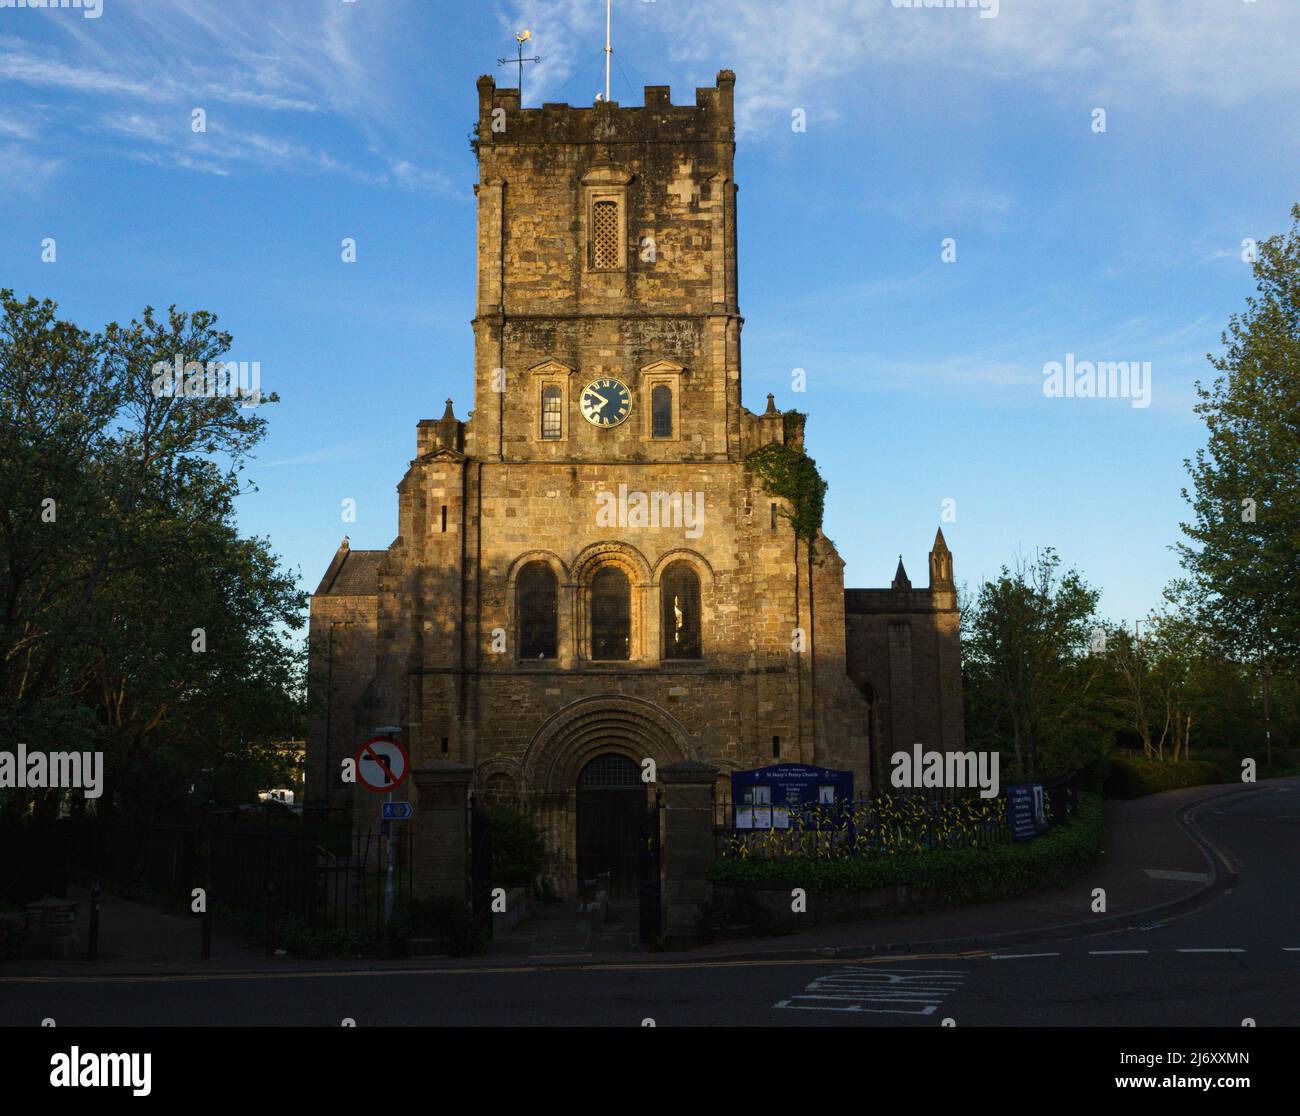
(604, 234)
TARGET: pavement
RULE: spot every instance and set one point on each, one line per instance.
(1156, 861)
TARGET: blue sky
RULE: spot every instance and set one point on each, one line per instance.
(328, 119)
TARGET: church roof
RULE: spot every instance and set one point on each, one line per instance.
(353, 573)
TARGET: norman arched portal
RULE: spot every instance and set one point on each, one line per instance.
(579, 770)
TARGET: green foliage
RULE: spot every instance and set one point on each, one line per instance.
(786, 471)
(966, 875)
(13, 930)
(295, 936)
(1032, 691)
(118, 538)
(518, 850)
(1133, 777)
(446, 920)
(1243, 550)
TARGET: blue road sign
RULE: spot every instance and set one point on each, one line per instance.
(397, 811)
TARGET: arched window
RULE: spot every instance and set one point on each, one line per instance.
(552, 412)
(679, 591)
(611, 614)
(537, 590)
(661, 411)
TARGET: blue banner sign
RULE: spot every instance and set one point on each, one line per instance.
(765, 798)
(1026, 811)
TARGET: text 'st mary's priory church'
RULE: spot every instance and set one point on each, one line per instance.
(587, 574)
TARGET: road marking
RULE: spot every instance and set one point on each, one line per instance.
(1019, 956)
(517, 967)
(876, 991)
(1116, 952)
(1210, 951)
(1166, 874)
(1291, 949)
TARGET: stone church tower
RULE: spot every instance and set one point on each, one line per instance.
(587, 573)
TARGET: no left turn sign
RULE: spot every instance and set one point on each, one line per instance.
(382, 764)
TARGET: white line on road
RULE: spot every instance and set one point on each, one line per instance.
(906, 991)
(1168, 874)
(1019, 956)
(1209, 951)
(1116, 952)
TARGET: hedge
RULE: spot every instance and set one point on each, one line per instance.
(956, 875)
(1133, 777)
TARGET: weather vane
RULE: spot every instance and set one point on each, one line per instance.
(521, 38)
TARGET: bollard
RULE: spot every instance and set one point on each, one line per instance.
(270, 920)
(92, 946)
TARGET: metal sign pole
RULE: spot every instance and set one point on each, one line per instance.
(388, 886)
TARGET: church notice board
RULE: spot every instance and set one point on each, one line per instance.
(766, 797)
(1026, 811)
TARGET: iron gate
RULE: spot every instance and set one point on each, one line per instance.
(480, 873)
(649, 861)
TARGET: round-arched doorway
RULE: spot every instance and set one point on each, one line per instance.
(611, 807)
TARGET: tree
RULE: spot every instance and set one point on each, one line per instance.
(1157, 671)
(1030, 681)
(1243, 550)
(117, 541)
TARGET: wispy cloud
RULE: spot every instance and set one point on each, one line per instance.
(25, 173)
(793, 52)
(257, 70)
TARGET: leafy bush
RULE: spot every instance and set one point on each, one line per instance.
(1134, 777)
(295, 936)
(957, 875)
(518, 851)
(13, 929)
(445, 919)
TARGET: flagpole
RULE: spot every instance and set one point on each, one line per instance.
(609, 16)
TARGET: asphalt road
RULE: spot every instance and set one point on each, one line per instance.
(1234, 957)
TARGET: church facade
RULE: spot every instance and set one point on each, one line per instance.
(590, 571)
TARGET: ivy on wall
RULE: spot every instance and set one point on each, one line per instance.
(786, 471)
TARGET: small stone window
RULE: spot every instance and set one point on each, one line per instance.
(604, 234)
(552, 412)
(661, 411)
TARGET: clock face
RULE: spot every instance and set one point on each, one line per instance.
(605, 402)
